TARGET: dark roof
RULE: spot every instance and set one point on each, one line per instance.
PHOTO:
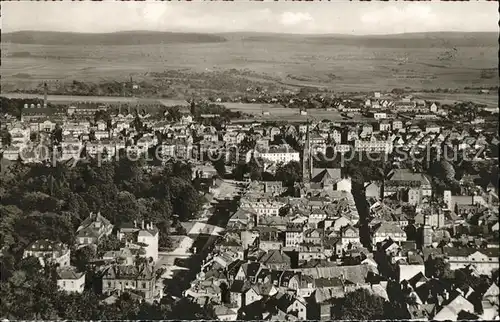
(263, 273)
(144, 272)
(275, 276)
(286, 276)
(68, 273)
(464, 252)
(327, 282)
(240, 286)
(274, 257)
(45, 245)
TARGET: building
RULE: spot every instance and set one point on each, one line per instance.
(49, 251)
(349, 237)
(385, 126)
(294, 235)
(93, 228)
(373, 144)
(242, 293)
(279, 154)
(139, 279)
(387, 230)
(378, 115)
(397, 125)
(484, 261)
(404, 179)
(146, 235)
(70, 280)
(85, 109)
(226, 312)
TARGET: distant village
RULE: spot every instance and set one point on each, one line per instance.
(289, 252)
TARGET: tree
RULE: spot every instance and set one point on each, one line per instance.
(361, 305)
(219, 165)
(494, 276)
(109, 243)
(437, 267)
(8, 216)
(289, 173)
(82, 256)
(255, 169)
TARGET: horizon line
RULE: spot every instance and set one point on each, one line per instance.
(252, 32)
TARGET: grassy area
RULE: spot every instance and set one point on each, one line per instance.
(337, 66)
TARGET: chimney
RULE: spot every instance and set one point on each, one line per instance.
(45, 95)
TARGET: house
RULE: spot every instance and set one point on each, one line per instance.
(325, 177)
(275, 259)
(403, 179)
(273, 187)
(483, 260)
(242, 293)
(349, 237)
(432, 128)
(385, 126)
(147, 236)
(84, 109)
(372, 189)
(313, 236)
(450, 311)
(290, 304)
(278, 154)
(308, 252)
(373, 144)
(139, 278)
(70, 280)
(123, 256)
(387, 230)
(489, 303)
(409, 272)
(233, 138)
(225, 312)
(49, 251)
(186, 119)
(205, 171)
(397, 125)
(203, 290)
(12, 153)
(93, 228)
(248, 271)
(294, 235)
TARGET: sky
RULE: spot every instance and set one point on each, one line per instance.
(358, 18)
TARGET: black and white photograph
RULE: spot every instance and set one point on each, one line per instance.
(249, 160)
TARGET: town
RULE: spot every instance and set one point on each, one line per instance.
(386, 210)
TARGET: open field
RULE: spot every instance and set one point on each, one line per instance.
(491, 99)
(340, 65)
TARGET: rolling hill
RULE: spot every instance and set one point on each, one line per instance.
(405, 40)
(107, 39)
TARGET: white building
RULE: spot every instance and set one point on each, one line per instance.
(70, 280)
(373, 145)
(48, 250)
(279, 154)
(146, 235)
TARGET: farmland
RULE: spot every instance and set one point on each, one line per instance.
(338, 64)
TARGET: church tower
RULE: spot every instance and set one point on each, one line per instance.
(44, 94)
(306, 158)
(426, 232)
